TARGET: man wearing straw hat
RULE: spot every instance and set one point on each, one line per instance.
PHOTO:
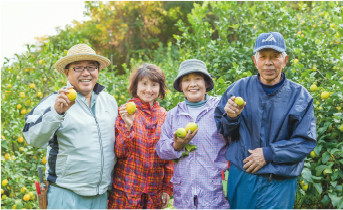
(79, 135)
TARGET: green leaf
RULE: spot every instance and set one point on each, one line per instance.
(318, 187)
(306, 174)
(335, 200)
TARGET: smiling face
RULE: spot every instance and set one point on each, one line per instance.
(270, 63)
(84, 81)
(148, 90)
(193, 85)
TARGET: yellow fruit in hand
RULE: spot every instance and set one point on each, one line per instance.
(191, 126)
(130, 107)
(20, 139)
(313, 87)
(181, 132)
(44, 160)
(19, 106)
(4, 182)
(325, 95)
(239, 101)
(26, 197)
(305, 187)
(72, 94)
(313, 154)
(32, 86)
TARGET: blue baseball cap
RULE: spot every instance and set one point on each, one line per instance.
(273, 40)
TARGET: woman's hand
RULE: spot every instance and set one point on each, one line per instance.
(179, 143)
(128, 119)
(165, 200)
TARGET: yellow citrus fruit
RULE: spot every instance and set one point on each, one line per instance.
(191, 126)
(325, 95)
(122, 97)
(22, 94)
(305, 187)
(21, 149)
(181, 132)
(27, 70)
(19, 106)
(295, 61)
(72, 94)
(7, 156)
(26, 197)
(3, 137)
(23, 111)
(130, 107)
(14, 206)
(314, 25)
(332, 25)
(45, 79)
(20, 139)
(314, 68)
(39, 94)
(9, 86)
(2, 191)
(44, 160)
(313, 87)
(4, 182)
(302, 183)
(341, 128)
(239, 101)
(3, 197)
(23, 190)
(313, 154)
(32, 86)
(40, 62)
(32, 196)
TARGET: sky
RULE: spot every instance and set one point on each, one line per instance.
(23, 20)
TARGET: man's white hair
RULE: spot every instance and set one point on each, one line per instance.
(284, 54)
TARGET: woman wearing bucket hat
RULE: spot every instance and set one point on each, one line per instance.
(141, 179)
(79, 135)
(197, 181)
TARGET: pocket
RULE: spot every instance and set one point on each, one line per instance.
(176, 187)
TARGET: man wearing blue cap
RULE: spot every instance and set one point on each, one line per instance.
(271, 133)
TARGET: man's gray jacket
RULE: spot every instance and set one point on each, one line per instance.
(80, 143)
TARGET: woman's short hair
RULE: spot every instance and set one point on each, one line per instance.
(153, 73)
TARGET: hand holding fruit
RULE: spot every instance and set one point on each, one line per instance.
(183, 136)
(127, 113)
(65, 99)
(234, 106)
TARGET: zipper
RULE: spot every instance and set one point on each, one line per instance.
(101, 148)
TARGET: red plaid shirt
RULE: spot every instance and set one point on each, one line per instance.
(138, 168)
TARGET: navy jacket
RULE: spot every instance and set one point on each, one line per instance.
(282, 123)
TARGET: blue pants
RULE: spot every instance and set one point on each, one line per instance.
(60, 198)
(248, 191)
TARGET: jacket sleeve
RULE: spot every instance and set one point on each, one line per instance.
(164, 147)
(123, 138)
(302, 141)
(228, 127)
(42, 123)
(168, 173)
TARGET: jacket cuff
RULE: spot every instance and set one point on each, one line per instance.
(267, 153)
(231, 120)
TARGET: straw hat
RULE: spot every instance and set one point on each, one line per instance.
(193, 66)
(81, 52)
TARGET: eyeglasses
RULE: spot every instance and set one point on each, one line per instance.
(79, 69)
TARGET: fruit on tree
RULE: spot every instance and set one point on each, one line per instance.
(181, 132)
(44, 160)
(341, 128)
(20, 139)
(4, 182)
(313, 87)
(325, 95)
(191, 126)
(305, 187)
(313, 154)
(130, 107)
(26, 197)
(72, 94)
(239, 101)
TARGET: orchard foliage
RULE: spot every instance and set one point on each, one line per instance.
(222, 34)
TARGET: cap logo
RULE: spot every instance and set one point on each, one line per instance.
(269, 39)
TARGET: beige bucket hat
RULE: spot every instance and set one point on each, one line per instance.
(81, 52)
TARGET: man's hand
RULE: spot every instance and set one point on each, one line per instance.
(179, 143)
(62, 102)
(165, 200)
(128, 119)
(232, 109)
(255, 161)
